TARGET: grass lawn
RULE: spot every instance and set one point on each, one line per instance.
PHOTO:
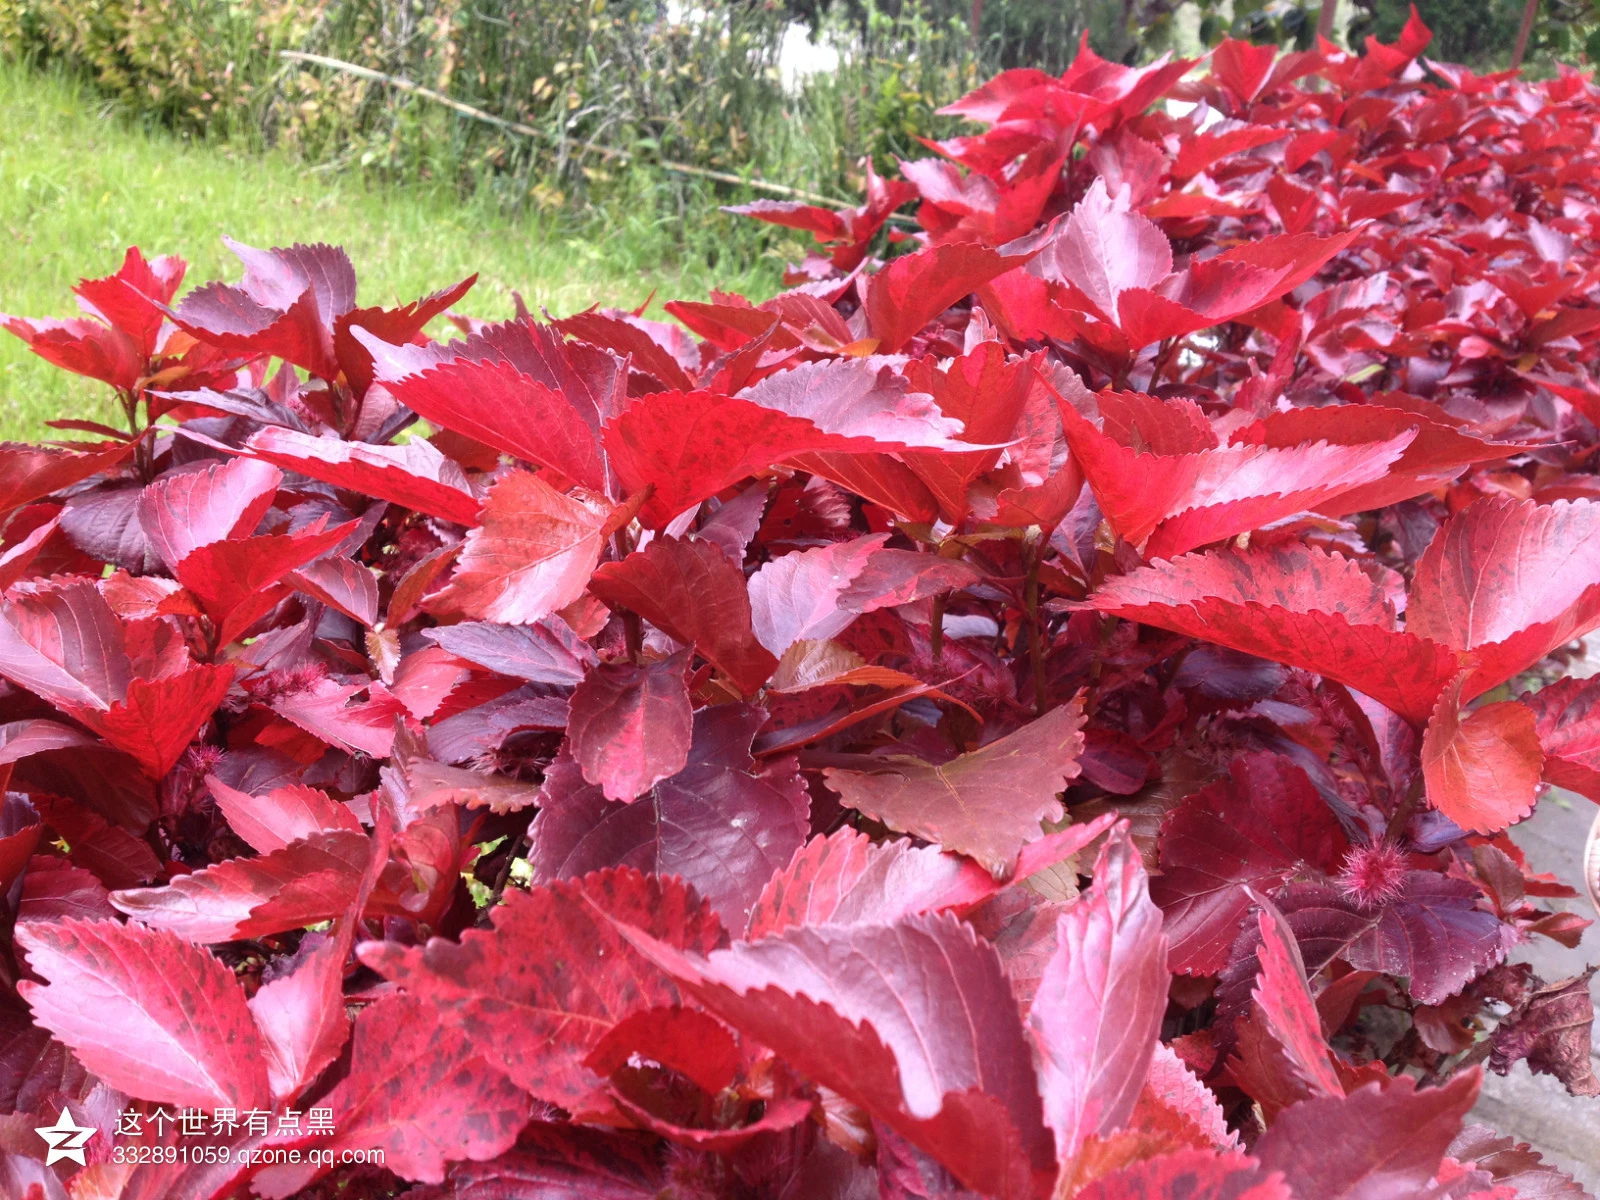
(79, 185)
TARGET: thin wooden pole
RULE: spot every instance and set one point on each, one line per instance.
(1325, 19)
(517, 127)
(1529, 11)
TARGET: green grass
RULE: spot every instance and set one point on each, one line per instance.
(78, 185)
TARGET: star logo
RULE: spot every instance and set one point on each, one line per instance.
(66, 1140)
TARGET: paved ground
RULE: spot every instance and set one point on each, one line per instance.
(1535, 1108)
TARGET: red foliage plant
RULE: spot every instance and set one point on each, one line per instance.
(1036, 716)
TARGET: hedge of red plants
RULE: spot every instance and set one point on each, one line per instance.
(1033, 715)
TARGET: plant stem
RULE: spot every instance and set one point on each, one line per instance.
(632, 627)
(1036, 638)
(1402, 814)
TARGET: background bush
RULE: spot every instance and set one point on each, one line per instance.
(693, 84)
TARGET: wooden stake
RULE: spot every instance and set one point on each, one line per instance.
(1325, 19)
(1529, 11)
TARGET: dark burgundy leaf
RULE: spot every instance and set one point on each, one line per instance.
(720, 824)
(630, 726)
(1435, 934)
(546, 652)
(1552, 1031)
(1375, 1143)
(1253, 830)
(693, 592)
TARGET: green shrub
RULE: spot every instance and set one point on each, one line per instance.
(192, 64)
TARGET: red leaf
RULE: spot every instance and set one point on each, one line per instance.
(987, 803)
(19, 836)
(796, 597)
(684, 1039)
(858, 398)
(181, 512)
(423, 1091)
(719, 824)
(990, 102)
(560, 1159)
(233, 579)
(811, 595)
(1252, 830)
(857, 1008)
(308, 881)
(688, 446)
(284, 306)
(630, 726)
(1293, 604)
(532, 555)
(414, 475)
(19, 739)
(1374, 1144)
(1511, 581)
(83, 347)
(301, 1013)
(548, 652)
(1168, 502)
(273, 819)
(29, 473)
(693, 592)
(148, 1012)
(540, 988)
(16, 560)
(631, 337)
(395, 325)
(1438, 453)
(65, 645)
(825, 223)
(1172, 1086)
(989, 393)
(1190, 1175)
(156, 719)
(117, 858)
(1569, 733)
(847, 879)
(1097, 1016)
(131, 299)
(516, 387)
(325, 710)
(1284, 1012)
(1240, 66)
(342, 584)
(878, 477)
(915, 288)
(1482, 768)
(1103, 249)
(53, 890)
